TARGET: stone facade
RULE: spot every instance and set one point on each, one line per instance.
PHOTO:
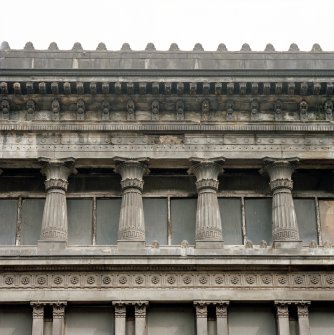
(159, 167)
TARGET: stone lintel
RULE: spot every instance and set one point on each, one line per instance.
(51, 245)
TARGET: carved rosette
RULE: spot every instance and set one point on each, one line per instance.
(131, 222)
(59, 310)
(201, 309)
(208, 221)
(37, 310)
(54, 223)
(285, 227)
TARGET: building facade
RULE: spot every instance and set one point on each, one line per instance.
(166, 192)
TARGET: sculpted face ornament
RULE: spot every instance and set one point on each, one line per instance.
(55, 106)
(130, 110)
(80, 110)
(155, 110)
(254, 109)
(179, 110)
(303, 108)
(205, 110)
(30, 110)
(328, 107)
(229, 110)
(4, 106)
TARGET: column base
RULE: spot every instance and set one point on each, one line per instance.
(287, 244)
(124, 245)
(51, 245)
(209, 244)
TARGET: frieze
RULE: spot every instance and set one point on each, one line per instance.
(153, 280)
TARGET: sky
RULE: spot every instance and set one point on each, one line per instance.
(162, 22)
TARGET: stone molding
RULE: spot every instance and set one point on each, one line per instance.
(172, 280)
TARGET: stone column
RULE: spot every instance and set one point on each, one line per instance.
(282, 311)
(140, 318)
(201, 318)
(303, 318)
(221, 314)
(131, 230)
(54, 223)
(58, 326)
(284, 221)
(208, 222)
(37, 318)
(120, 318)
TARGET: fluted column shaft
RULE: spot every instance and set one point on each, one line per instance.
(208, 221)
(140, 318)
(303, 318)
(37, 318)
(284, 221)
(221, 314)
(201, 318)
(120, 318)
(282, 314)
(54, 223)
(131, 221)
(58, 327)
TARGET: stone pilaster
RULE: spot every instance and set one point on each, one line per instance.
(54, 223)
(221, 315)
(208, 222)
(201, 317)
(282, 315)
(120, 318)
(37, 318)
(131, 230)
(303, 318)
(284, 222)
(58, 326)
(140, 318)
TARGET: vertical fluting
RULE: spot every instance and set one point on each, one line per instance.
(131, 221)
(284, 220)
(208, 220)
(54, 222)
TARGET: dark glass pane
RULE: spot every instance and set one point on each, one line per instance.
(306, 218)
(155, 212)
(251, 320)
(107, 218)
(15, 320)
(90, 320)
(183, 219)
(170, 320)
(230, 212)
(322, 319)
(79, 221)
(32, 215)
(258, 220)
(8, 215)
